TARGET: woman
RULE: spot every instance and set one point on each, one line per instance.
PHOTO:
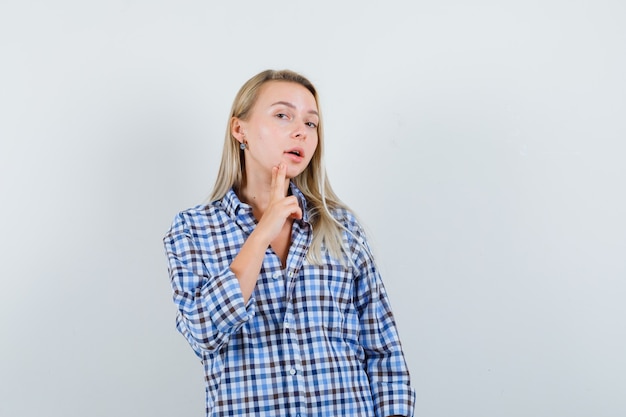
(276, 289)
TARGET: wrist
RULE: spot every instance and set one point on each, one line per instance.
(258, 239)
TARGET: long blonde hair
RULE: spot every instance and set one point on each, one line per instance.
(312, 182)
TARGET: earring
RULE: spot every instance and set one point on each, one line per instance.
(243, 146)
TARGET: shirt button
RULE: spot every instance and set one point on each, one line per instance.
(293, 371)
(276, 275)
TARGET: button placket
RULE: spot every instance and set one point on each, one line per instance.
(288, 322)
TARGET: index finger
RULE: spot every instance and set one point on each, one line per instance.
(278, 181)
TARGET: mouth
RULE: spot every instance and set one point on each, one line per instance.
(296, 152)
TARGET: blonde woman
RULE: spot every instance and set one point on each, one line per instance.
(276, 289)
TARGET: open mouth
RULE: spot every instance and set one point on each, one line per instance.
(296, 152)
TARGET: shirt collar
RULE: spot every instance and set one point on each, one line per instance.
(235, 208)
(294, 190)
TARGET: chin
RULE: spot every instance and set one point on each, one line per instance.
(292, 173)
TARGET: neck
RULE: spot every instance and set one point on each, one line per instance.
(257, 192)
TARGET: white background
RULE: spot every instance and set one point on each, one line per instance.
(481, 142)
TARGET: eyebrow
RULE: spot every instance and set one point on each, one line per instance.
(291, 106)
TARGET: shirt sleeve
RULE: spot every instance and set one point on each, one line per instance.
(210, 303)
(385, 364)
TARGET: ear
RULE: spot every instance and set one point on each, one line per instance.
(237, 129)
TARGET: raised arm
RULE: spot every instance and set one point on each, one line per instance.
(247, 264)
(209, 300)
(214, 297)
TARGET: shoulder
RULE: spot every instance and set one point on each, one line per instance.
(193, 220)
(354, 234)
(199, 214)
(348, 220)
(354, 237)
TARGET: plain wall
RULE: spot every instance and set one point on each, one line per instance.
(481, 142)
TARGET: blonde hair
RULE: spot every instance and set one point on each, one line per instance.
(312, 182)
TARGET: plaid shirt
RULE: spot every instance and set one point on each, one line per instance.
(311, 341)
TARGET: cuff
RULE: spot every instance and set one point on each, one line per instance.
(224, 294)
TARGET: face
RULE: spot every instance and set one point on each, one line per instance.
(282, 127)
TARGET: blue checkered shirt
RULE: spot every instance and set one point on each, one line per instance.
(311, 341)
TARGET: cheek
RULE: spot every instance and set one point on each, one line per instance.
(314, 144)
(268, 136)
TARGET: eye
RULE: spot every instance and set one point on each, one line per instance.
(282, 116)
(311, 124)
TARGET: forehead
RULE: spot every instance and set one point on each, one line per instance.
(287, 91)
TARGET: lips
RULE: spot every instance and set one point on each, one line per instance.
(296, 152)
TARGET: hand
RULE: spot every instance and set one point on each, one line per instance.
(280, 207)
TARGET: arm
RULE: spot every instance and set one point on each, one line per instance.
(247, 264)
(385, 363)
(214, 302)
(210, 304)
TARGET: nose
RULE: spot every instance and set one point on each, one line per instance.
(299, 133)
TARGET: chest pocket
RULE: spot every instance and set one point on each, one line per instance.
(324, 295)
